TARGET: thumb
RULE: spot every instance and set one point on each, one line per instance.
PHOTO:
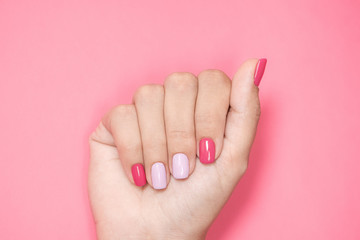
(243, 117)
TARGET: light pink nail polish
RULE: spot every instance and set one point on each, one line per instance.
(180, 166)
(259, 70)
(158, 175)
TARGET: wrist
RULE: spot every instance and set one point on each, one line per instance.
(109, 234)
(182, 237)
(147, 237)
(177, 236)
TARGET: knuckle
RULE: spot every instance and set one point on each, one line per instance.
(130, 147)
(257, 111)
(95, 133)
(119, 113)
(241, 113)
(214, 75)
(100, 135)
(152, 147)
(207, 121)
(176, 134)
(92, 137)
(247, 112)
(149, 92)
(123, 111)
(254, 111)
(181, 81)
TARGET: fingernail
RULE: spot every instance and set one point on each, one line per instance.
(138, 174)
(158, 175)
(206, 150)
(180, 164)
(259, 70)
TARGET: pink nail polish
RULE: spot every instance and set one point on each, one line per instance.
(180, 166)
(138, 174)
(206, 150)
(158, 175)
(259, 70)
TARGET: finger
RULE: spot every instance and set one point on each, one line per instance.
(244, 115)
(122, 123)
(212, 105)
(179, 108)
(149, 103)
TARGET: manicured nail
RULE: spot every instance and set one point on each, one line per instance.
(158, 175)
(180, 164)
(138, 174)
(259, 70)
(206, 150)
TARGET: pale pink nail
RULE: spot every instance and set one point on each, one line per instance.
(180, 164)
(158, 175)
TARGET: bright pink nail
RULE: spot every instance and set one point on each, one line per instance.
(138, 174)
(206, 150)
(259, 70)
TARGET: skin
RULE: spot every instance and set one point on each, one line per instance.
(164, 120)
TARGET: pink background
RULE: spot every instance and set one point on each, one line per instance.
(64, 64)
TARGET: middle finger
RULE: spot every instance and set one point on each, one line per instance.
(179, 111)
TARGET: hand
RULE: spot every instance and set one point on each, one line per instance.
(164, 130)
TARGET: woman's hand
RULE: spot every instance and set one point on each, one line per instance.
(189, 140)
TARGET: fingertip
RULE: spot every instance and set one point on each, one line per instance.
(138, 174)
(180, 166)
(244, 89)
(159, 176)
(206, 150)
(251, 72)
(259, 71)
